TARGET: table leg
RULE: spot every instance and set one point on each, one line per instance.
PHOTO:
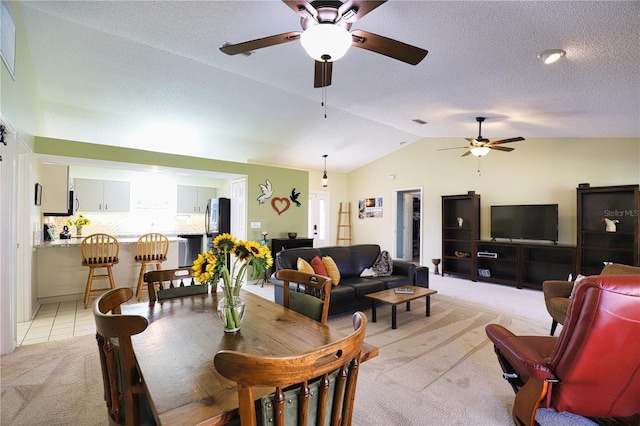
(428, 306)
(373, 311)
(408, 306)
(393, 317)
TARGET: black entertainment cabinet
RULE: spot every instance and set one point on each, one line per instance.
(518, 264)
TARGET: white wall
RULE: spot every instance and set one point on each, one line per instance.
(538, 171)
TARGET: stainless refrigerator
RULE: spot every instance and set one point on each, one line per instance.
(217, 218)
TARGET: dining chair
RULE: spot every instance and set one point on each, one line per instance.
(123, 390)
(173, 283)
(311, 295)
(314, 387)
(151, 249)
(99, 251)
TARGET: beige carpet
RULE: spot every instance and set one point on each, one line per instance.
(431, 371)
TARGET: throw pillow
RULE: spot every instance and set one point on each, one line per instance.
(383, 266)
(575, 283)
(318, 266)
(304, 266)
(368, 272)
(332, 269)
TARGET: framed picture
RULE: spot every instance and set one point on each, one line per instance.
(38, 200)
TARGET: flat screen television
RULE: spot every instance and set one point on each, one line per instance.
(525, 222)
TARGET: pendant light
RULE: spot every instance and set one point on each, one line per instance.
(325, 179)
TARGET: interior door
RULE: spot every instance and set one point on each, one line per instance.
(239, 208)
(319, 218)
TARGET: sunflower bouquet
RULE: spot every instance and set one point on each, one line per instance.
(228, 260)
(79, 222)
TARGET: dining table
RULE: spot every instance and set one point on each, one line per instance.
(175, 353)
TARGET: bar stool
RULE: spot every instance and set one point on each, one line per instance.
(151, 249)
(99, 251)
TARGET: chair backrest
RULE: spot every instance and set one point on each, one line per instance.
(99, 249)
(315, 387)
(122, 383)
(152, 246)
(173, 283)
(596, 357)
(312, 299)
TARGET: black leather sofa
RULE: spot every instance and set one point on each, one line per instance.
(348, 295)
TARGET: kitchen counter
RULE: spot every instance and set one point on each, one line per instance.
(61, 276)
(75, 241)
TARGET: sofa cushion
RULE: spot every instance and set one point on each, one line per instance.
(343, 259)
(287, 259)
(393, 281)
(318, 266)
(332, 269)
(304, 266)
(364, 255)
(363, 286)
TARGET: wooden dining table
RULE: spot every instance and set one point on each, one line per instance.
(175, 353)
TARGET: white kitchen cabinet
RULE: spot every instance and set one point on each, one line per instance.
(193, 199)
(55, 189)
(109, 196)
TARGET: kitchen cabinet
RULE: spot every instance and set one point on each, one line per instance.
(55, 189)
(109, 196)
(193, 199)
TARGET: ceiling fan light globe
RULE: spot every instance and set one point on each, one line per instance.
(326, 42)
(480, 151)
(551, 56)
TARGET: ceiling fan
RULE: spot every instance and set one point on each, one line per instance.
(481, 146)
(326, 36)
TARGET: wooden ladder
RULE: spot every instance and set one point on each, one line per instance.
(343, 236)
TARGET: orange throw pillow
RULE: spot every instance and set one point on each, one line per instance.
(304, 266)
(332, 269)
(318, 266)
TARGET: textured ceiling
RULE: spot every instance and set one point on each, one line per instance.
(149, 75)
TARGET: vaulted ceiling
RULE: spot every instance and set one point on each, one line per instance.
(149, 75)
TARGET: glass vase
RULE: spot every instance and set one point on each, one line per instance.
(231, 311)
(78, 230)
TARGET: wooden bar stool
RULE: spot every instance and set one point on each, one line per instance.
(99, 251)
(151, 249)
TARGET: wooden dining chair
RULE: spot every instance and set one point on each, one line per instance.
(311, 295)
(151, 249)
(99, 251)
(173, 283)
(315, 387)
(123, 389)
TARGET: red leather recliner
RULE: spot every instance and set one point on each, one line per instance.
(593, 367)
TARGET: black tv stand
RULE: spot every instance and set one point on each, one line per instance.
(524, 264)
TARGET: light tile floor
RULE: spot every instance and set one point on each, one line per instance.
(63, 320)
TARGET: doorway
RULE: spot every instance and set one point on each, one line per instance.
(408, 224)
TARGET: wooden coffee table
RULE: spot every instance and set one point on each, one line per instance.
(394, 299)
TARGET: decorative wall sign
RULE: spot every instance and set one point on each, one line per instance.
(280, 205)
(369, 207)
(294, 197)
(267, 191)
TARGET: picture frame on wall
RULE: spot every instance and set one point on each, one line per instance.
(38, 198)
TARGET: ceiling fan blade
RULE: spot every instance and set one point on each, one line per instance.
(247, 46)
(388, 47)
(362, 7)
(465, 154)
(500, 148)
(507, 140)
(322, 76)
(455, 147)
(302, 8)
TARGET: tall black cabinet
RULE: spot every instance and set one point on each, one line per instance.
(596, 245)
(460, 228)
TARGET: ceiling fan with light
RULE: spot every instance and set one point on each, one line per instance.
(481, 146)
(326, 36)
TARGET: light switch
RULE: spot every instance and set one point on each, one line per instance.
(255, 225)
